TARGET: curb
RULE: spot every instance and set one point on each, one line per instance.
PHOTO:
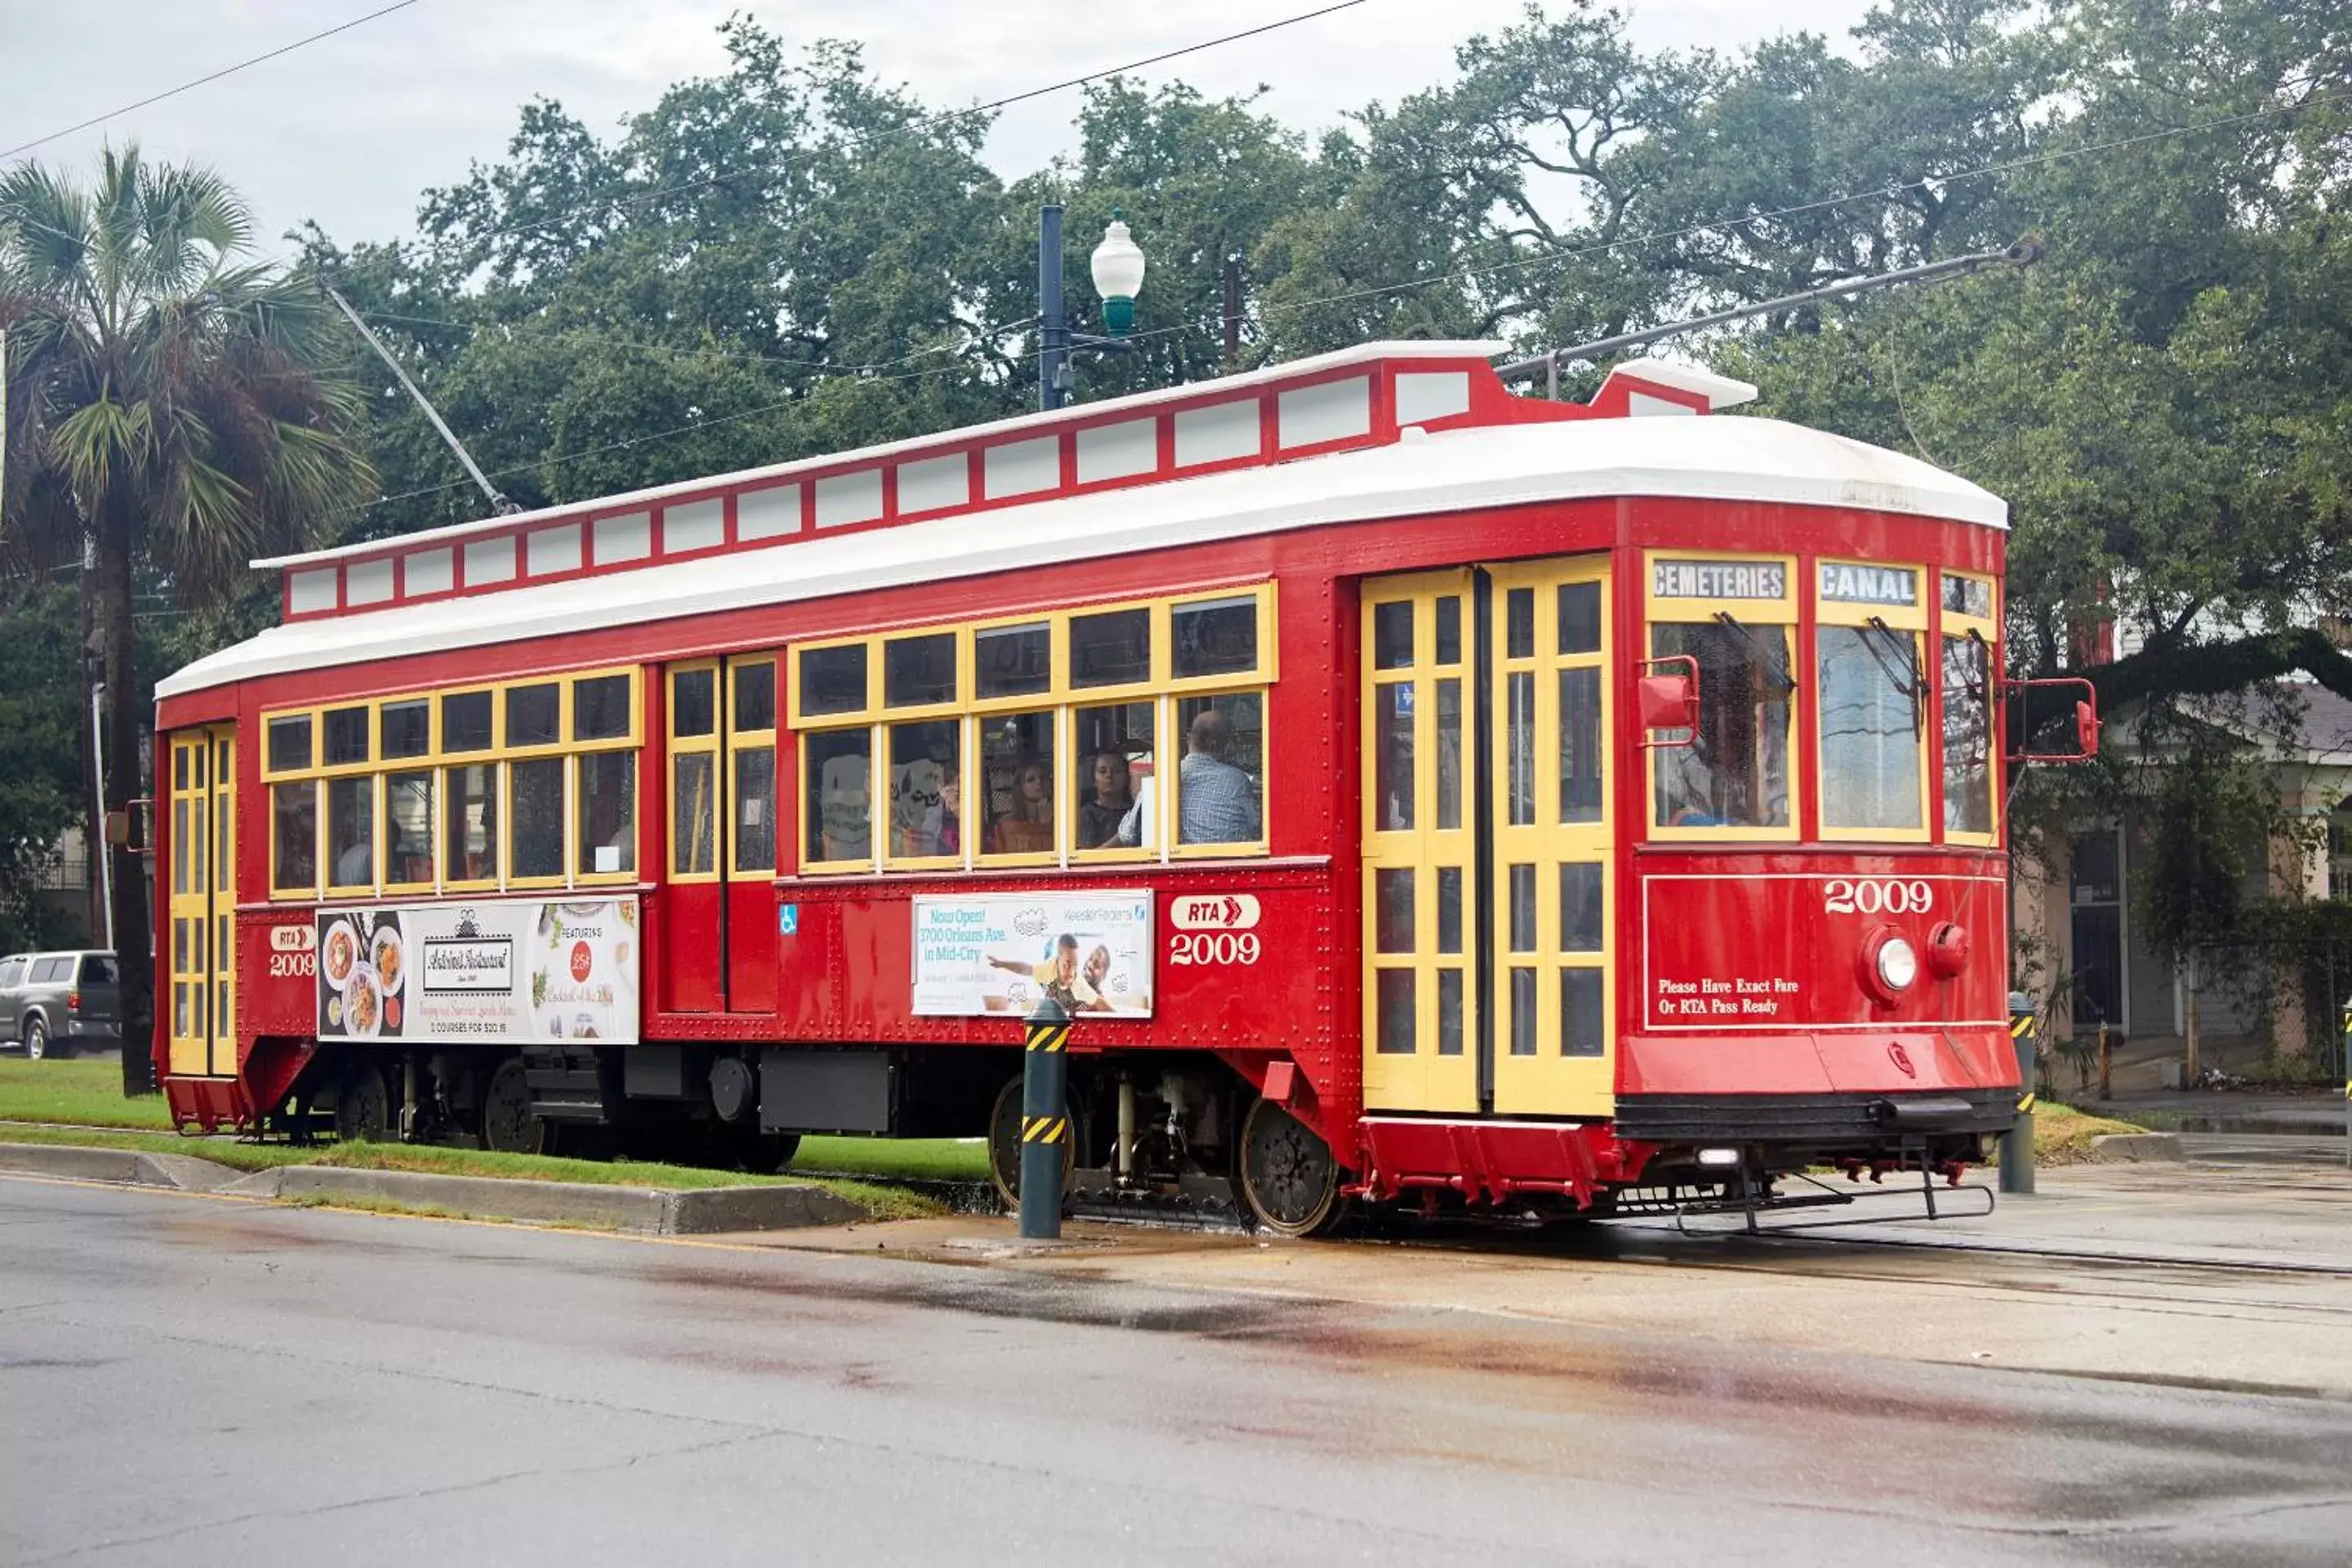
(2134, 1148)
(653, 1211)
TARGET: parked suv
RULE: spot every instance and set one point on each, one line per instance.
(56, 1003)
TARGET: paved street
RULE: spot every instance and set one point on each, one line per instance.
(186, 1378)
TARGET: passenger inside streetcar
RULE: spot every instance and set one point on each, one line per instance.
(1026, 827)
(1113, 795)
(1216, 803)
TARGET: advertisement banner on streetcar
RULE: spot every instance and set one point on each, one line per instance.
(532, 974)
(1001, 953)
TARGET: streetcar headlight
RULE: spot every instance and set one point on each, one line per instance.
(1718, 1156)
(1898, 964)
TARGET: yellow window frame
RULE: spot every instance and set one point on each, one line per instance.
(678, 746)
(1986, 627)
(575, 796)
(1684, 610)
(1910, 620)
(334, 889)
(1172, 813)
(975, 843)
(278, 892)
(433, 829)
(880, 822)
(740, 743)
(441, 798)
(876, 833)
(1163, 712)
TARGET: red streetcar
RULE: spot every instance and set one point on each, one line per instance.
(1412, 790)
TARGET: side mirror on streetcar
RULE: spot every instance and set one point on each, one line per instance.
(2022, 722)
(2086, 729)
(1668, 699)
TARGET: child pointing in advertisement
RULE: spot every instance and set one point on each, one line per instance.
(1059, 977)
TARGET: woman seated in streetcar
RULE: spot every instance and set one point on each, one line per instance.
(1026, 827)
(1112, 792)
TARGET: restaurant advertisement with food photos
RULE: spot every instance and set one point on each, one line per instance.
(532, 974)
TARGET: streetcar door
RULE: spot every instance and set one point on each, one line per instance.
(200, 946)
(1421, 904)
(1548, 709)
(721, 924)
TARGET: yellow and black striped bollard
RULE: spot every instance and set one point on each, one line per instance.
(1044, 1121)
(2017, 1143)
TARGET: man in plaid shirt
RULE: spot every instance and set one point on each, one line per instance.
(1217, 802)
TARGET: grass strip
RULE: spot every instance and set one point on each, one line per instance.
(86, 1094)
(2061, 1134)
(880, 1201)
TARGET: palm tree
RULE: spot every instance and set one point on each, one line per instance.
(172, 413)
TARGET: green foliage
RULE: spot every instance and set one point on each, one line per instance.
(42, 789)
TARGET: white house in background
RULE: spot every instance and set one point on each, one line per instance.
(2075, 915)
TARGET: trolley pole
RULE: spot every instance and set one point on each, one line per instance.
(1045, 1119)
(2017, 1143)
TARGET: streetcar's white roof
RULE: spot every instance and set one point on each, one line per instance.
(1714, 457)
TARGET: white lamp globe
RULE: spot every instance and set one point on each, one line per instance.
(1118, 267)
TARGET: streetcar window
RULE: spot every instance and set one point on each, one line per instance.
(926, 789)
(465, 721)
(1396, 1018)
(1392, 751)
(1392, 636)
(1110, 649)
(1580, 617)
(1580, 906)
(1113, 761)
(472, 847)
(1519, 623)
(833, 680)
(1582, 1019)
(1449, 630)
(1014, 661)
(754, 802)
(1217, 783)
(408, 829)
(755, 697)
(1016, 783)
(1579, 742)
(693, 703)
(536, 815)
(1449, 754)
(606, 800)
(1869, 704)
(693, 805)
(532, 716)
(294, 836)
(919, 672)
(1967, 734)
(599, 708)
(289, 743)
(348, 730)
(350, 832)
(1214, 636)
(408, 728)
(1734, 772)
(839, 812)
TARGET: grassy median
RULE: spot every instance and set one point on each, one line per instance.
(75, 1094)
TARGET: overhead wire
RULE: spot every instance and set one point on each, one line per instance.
(208, 77)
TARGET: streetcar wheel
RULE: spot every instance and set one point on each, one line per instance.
(1004, 1146)
(363, 1106)
(508, 1125)
(761, 1153)
(37, 1039)
(1289, 1175)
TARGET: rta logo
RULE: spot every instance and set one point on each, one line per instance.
(1901, 1059)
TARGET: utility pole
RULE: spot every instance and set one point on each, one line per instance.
(1232, 313)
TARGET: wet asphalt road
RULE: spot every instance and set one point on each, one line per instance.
(187, 1381)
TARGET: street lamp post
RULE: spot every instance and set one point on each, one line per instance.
(1118, 267)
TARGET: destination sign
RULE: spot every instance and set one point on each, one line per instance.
(1718, 579)
(1849, 583)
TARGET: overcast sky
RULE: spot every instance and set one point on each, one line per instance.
(352, 129)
